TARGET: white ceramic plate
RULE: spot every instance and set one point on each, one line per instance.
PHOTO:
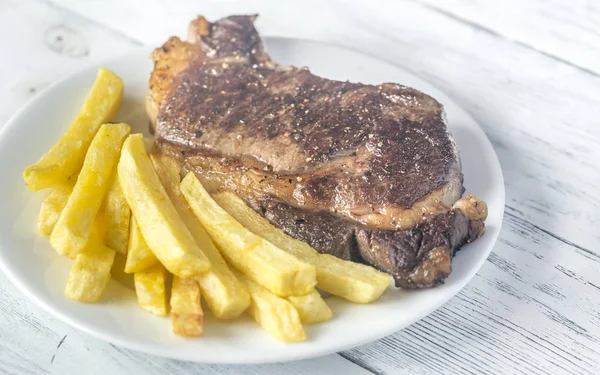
(36, 269)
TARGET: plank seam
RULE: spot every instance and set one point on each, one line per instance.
(359, 363)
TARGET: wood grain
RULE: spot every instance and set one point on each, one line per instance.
(42, 43)
(566, 31)
(526, 70)
(531, 310)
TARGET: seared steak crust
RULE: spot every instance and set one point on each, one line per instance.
(327, 233)
(366, 152)
(294, 123)
(355, 170)
(418, 257)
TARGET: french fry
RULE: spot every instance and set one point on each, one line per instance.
(160, 224)
(66, 157)
(187, 318)
(274, 314)
(90, 273)
(98, 229)
(352, 281)
(117, 215)
(312, 308)
(224, 294)
(263, 262)
(52, 207)
(151, 289)
(117, 271)
(139, 255)
(74, 226)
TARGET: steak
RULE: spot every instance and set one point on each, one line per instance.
(363, 172)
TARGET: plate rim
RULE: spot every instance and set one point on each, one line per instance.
(312, 352)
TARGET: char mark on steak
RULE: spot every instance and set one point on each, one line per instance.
(364, 172)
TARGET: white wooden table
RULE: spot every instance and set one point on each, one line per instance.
(527, 70)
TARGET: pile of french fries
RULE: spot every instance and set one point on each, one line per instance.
(118, 209)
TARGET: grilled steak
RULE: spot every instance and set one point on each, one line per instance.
(367, 173)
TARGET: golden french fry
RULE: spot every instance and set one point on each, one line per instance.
(52, 207)
(311, 307)
(224, 294)
(187, 318)
(274, 314)
(118, 273)
(66, 157)
(151, 289)
(74, 226)
(352, 281)
(139, 255)
(98, 229)
(162, 227)
(117, 215)
(90, 273)
(263, 262)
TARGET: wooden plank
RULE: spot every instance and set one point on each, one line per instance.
(156, 20)
(565, 30)
(41, 45)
